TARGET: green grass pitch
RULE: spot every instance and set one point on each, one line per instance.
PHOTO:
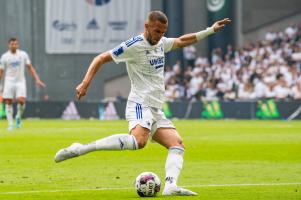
(244, 160)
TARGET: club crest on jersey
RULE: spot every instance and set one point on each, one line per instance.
(15, 63)
(157, 63)
(118, 50)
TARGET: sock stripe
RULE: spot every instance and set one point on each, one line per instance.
(176, 148)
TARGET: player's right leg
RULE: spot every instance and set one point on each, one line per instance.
(8, 95)
(136, 140)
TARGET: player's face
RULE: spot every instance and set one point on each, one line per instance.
(13, 45)
(155, 31)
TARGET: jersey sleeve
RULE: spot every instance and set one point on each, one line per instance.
(26, 58)
(2, 63)
(168, 43)
(122, 53)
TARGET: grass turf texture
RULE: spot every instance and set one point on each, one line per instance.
(217, 153)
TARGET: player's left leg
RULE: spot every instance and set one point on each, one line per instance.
(9, 113)
(21, 97)
(20, 110)
(170, 138)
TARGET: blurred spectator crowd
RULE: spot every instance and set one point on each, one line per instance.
(270, 68)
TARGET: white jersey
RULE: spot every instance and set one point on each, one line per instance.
(14, 65)
(145, 66)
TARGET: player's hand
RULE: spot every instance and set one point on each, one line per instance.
(40, 83)
(81, 90)
(220, 24)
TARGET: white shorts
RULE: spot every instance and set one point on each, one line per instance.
(14, 90)
(147, 117)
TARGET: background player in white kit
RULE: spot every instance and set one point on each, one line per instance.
(144, 57)
(13, 62)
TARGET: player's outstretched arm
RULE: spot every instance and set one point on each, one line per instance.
(191, 38)
(1, 73)
(1, 68)
(35, 76)
(95, 65)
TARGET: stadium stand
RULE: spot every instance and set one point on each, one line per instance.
(270, 68)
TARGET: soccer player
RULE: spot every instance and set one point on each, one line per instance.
(13, 62)
(144, 58)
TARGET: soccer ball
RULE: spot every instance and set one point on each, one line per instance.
(147, 184)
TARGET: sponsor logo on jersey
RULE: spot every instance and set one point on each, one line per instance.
(15, 63)
(157, 63)
(93, 25)
(64, 26)
(118, 50)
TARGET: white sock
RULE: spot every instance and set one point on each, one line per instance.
(173, 166)
(9, 114)
(113, 142)
(20, 110)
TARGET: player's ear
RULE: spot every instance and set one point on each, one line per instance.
(146, 25)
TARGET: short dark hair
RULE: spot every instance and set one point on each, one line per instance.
(157, 15)
(12, 40)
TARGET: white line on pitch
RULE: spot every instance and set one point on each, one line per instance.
(243, 185)
(131, 188)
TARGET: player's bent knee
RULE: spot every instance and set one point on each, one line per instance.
(9, 101)
(141, 140)
(141, 135)
(182, 145)
(178, 144)
(21, 102)
(141, 144)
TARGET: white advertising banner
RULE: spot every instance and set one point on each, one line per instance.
(92, 26)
